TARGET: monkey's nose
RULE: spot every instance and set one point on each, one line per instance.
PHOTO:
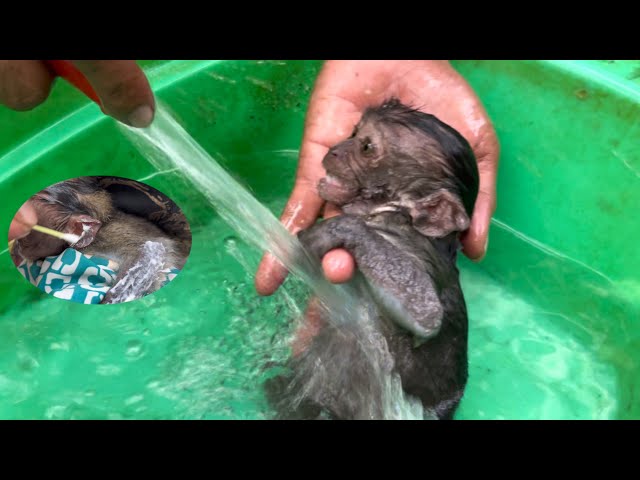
(330, 159)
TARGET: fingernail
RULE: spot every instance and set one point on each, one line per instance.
(486, 245)
(141, 117)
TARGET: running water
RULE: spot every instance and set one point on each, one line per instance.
(168, 146)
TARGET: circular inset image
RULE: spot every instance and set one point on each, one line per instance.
(99, 240)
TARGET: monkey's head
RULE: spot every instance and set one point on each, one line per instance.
(404, 159)
(77, 206)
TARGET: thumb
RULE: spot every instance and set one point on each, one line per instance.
(23, 221)
(123, 89)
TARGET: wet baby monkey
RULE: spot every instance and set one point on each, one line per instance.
(82, 206)
(407, 185)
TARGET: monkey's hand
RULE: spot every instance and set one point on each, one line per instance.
(400, 284)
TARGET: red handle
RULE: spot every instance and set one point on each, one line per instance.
(68, 71)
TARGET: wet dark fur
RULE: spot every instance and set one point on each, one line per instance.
(407, 183)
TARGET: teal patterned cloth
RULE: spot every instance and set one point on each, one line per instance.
(76, 277)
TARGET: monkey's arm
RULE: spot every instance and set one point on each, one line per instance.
(400, 283)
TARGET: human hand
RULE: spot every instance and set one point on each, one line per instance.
(122, 86)
(343, 90)
(23, 221)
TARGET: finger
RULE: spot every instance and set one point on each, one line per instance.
(23, 221)
(330, 210)
(270, 275)
(300, 212)
(24, 84)
(476, 240)
(329, 119)
(338, 266)
(123, 89)
(311, 324)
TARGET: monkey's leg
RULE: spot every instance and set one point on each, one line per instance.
(400, 284)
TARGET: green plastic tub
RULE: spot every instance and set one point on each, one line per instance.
(554, 308)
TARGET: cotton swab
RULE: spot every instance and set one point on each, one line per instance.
(67, 237)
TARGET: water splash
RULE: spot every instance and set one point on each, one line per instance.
(168, 146)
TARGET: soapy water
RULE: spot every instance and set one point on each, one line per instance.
(140, 277)
(168, 146)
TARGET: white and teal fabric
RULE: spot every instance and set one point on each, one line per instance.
(76, 277)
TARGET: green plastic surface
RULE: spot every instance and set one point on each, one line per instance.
(554, 307)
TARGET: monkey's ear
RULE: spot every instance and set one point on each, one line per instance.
(85, 226)
(439, 214)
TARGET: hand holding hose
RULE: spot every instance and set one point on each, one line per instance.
(120, 86)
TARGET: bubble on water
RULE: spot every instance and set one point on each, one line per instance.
(134, 348)
(230, 242)
(59, 346)
(54, 412)
(134, 399)
(27, 362)
(108, 370)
